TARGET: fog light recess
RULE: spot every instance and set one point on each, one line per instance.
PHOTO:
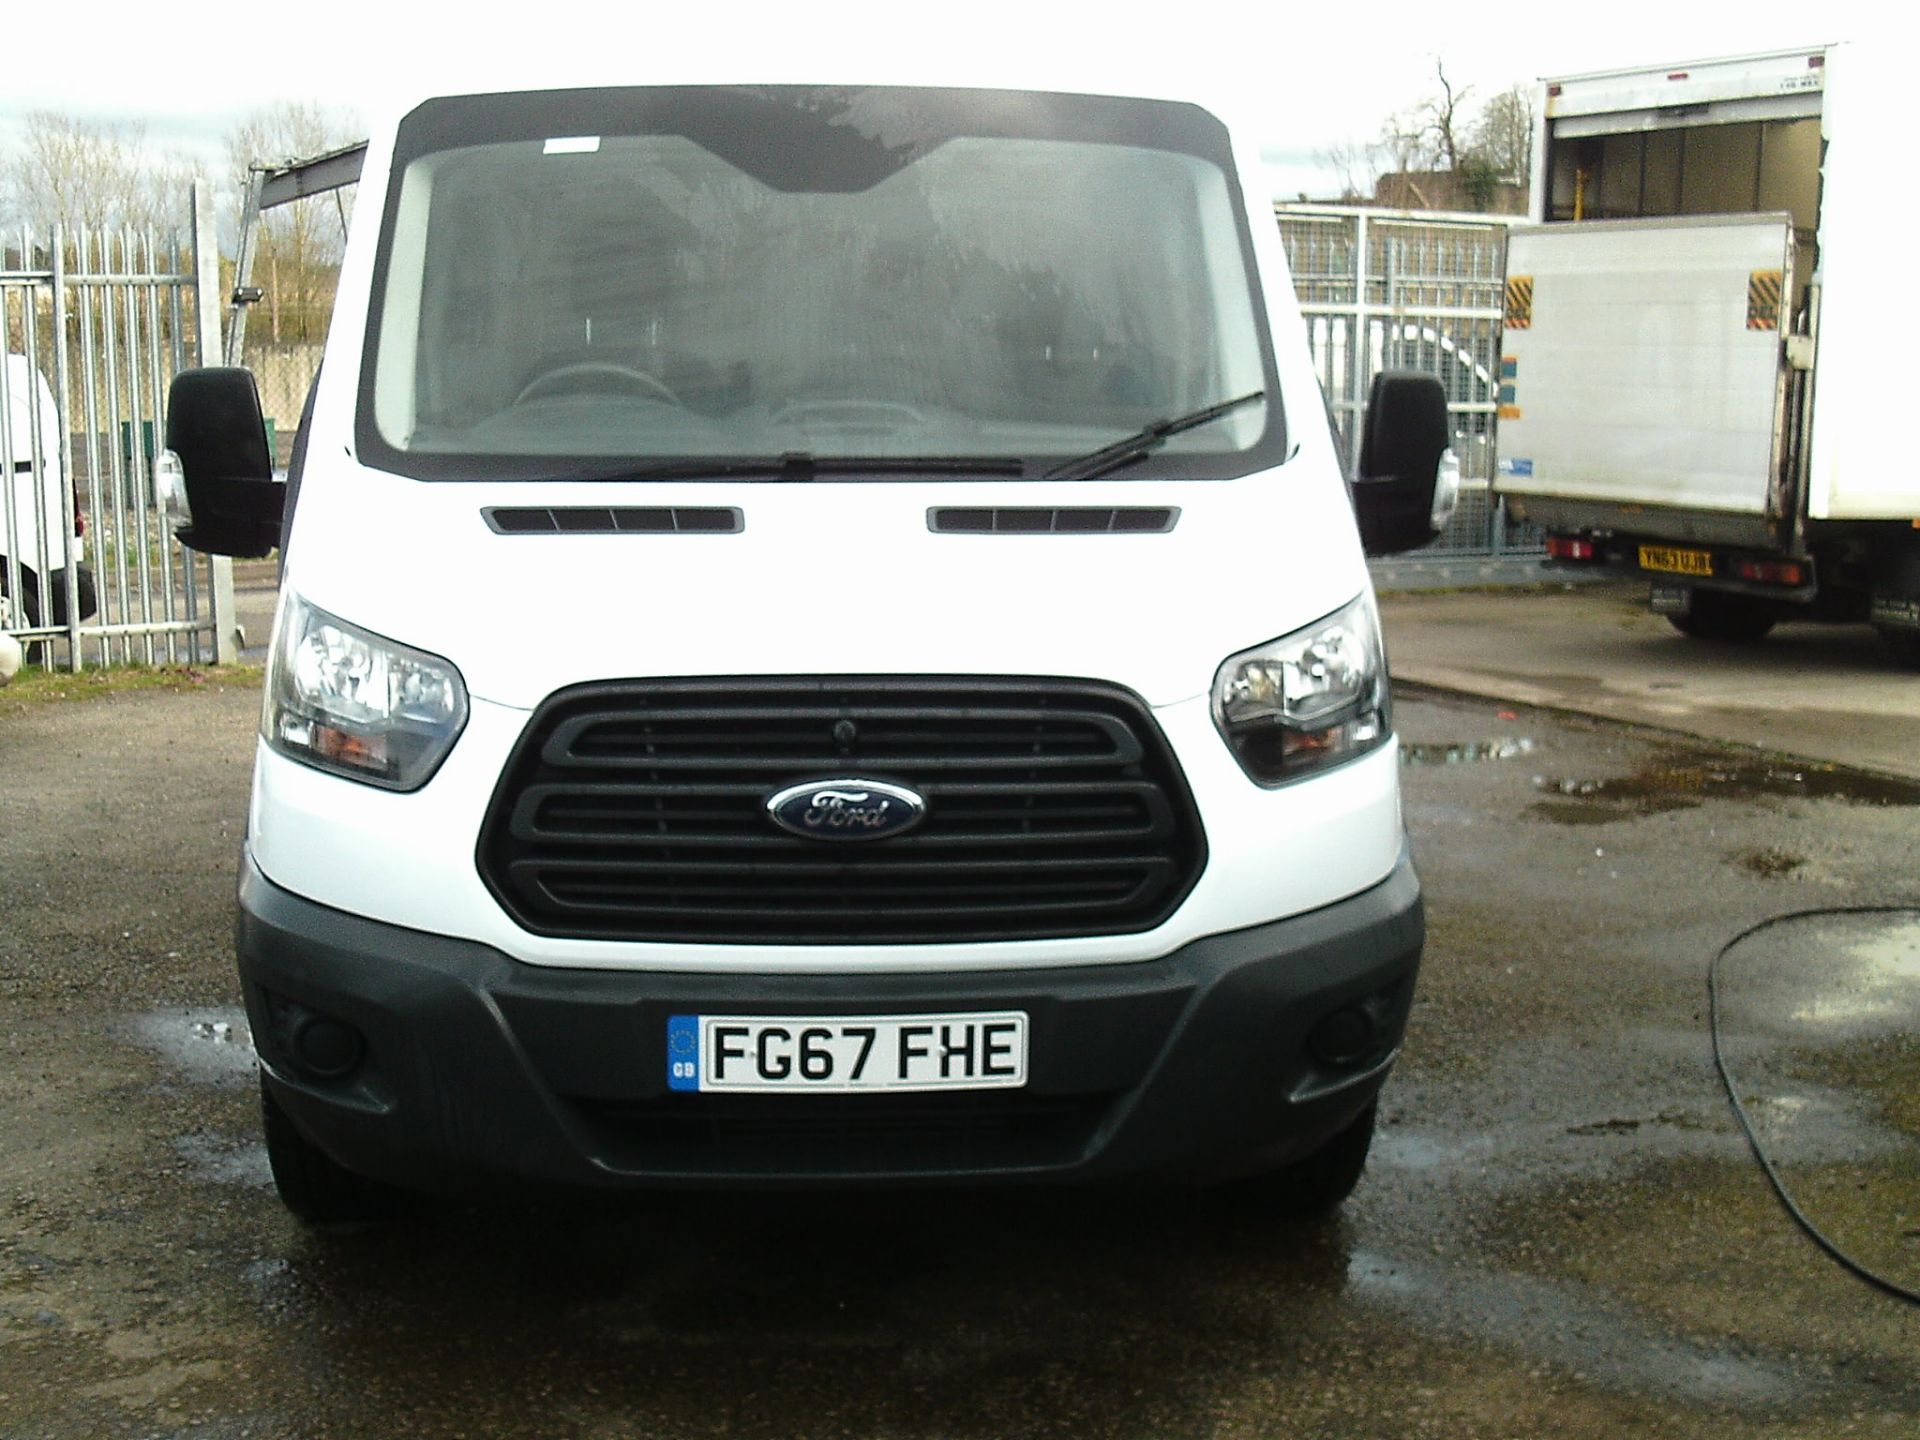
(325, 1048)
(1345, 1038)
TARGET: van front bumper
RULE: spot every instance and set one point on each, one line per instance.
(452, 1067)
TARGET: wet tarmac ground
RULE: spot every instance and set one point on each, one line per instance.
(1561, 1231)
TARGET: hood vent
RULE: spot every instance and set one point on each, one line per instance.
(1045, 520)
(614, 520)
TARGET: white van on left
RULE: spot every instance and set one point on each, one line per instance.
(40, 530)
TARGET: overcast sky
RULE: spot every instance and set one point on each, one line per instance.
(1322, 73)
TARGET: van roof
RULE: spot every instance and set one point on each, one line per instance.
(1155, 76)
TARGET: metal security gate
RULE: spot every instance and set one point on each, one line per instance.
(95, 325)
(1399, 289)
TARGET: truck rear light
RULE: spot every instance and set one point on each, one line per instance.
(1566, 547)
(1772, 572)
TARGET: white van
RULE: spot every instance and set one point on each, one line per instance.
(823, 640)
(42, 544)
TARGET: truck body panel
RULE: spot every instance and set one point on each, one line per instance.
(1643, 377)
(1857, 472)
(1697, 341)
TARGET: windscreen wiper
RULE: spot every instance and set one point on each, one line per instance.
(1145, 441)
(803, 465)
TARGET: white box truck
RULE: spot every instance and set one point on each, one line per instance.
(1698, 377)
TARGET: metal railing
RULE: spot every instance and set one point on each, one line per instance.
(1401, 289)
(95, 325)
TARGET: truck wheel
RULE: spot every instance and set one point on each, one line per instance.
(1315, 1185)
(315, 1187)
(1905, 644)
(1715, 615)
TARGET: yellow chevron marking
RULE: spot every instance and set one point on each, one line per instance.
(1519, 302)
(1763, 300)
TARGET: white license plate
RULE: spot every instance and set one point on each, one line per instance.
(837, 1054)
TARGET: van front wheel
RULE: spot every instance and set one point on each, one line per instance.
(1905, 644)
(314, 1186)
(1315, 1185)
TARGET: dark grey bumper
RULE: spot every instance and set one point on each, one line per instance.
(479, 1070)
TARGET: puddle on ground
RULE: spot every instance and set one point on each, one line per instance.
(209, 1047)
(1465, 752)
(1659, 788)
(1874, 982)
(1576, 1330)
(224, 1159)
(1822, 979)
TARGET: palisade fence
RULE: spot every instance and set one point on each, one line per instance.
(107, 319)
(95, 325)
(1414, 290)
(1380, 289)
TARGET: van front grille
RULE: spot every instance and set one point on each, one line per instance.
(638, 811)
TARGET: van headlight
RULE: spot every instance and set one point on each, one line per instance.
(344, 700)
(1446, 491)
(170, 490)
(1307, 701)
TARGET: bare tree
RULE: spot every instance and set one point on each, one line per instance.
(299, 243)
(1443, 113)
(1428, 135)
(1356, 163)
(1440, 135)
(82, 173)
(1503, 134)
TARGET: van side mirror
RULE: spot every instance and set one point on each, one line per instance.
(218, 485)
(1406, 434)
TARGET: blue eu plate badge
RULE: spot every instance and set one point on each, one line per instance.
(683, 1052)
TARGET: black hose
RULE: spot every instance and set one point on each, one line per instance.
(1840, 1257)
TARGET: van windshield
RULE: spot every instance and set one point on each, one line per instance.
(690, 281)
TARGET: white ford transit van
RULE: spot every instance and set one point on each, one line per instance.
(43, 577)
(823, 640)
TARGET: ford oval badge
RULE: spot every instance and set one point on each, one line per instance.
(847, 809)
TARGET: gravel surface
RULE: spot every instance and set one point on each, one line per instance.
(1561, 1232)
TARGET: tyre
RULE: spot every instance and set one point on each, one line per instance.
(1905, 644)
(316, 1188)
(1315, 1185)
(1731, 619)
(29, 603)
